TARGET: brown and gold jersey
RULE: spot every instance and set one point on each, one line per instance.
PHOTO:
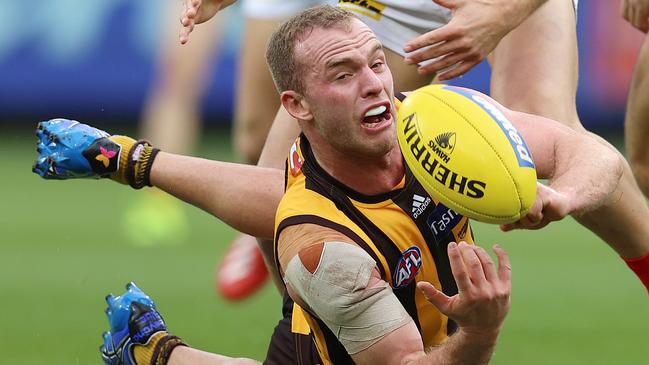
(405, 230)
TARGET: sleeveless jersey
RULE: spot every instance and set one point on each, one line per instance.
(405, 231)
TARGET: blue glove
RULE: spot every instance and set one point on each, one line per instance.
(135, 322)
(68, 149)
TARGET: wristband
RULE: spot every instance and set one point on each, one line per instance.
(136, 161)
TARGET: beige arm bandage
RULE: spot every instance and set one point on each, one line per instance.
(359, 311)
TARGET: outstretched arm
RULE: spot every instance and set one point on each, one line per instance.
(243, 196)
(583, 173)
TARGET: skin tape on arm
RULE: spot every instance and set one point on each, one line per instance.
(340, 293)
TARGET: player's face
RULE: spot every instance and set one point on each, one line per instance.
(349, 89)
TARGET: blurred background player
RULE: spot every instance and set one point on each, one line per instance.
(171, 117)
(538, 31)
(636, 125)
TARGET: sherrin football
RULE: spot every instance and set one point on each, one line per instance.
(466, 153)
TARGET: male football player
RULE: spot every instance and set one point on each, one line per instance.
(538, 31)
(340, 233)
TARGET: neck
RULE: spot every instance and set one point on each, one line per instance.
(369, 176)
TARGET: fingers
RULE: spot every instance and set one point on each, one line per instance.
(443, 53)
(110, 299)
(548, 207)
(108, 347)
(529, 221)
(460, 272)
(436, 297)
(45, 164)
(504, 265)
(445, 33)
(488, 265)
(188, 19)
(449, 4)
(459, 70)
(472, 263)
(441, 63)
(188, 27)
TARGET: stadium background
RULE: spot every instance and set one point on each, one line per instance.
(61, 248)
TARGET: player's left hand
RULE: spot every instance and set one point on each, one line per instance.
(484, 289)
(135, 325)
(549, 206)
(470, 36)
(636, 12)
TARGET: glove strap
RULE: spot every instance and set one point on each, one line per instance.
(136, 160)
(158, 350)
(139, 165)
(164, 348)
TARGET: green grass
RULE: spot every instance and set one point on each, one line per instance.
(62, 250)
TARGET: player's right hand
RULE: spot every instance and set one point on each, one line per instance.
(197, 12)
(550, 206)
(68, 149)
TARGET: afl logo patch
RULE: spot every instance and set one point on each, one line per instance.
(407, 267)
(295, 160)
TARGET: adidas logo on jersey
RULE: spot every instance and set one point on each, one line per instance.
(419, 204)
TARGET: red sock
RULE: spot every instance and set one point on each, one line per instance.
(640, 267)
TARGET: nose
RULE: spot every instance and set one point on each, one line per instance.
(372, 84)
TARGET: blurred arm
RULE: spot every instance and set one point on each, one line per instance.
(473, 32)
(243, 196)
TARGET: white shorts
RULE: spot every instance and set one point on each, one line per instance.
(395, 22)
(278, 9)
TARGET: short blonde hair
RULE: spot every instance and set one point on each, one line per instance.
(280, 53)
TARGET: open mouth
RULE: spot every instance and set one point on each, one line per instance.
(375, 117)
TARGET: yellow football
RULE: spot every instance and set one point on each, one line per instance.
(466, 153)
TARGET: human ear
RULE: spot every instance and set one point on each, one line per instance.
(296, 105)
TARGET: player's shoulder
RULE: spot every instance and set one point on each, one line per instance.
(307, 240)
